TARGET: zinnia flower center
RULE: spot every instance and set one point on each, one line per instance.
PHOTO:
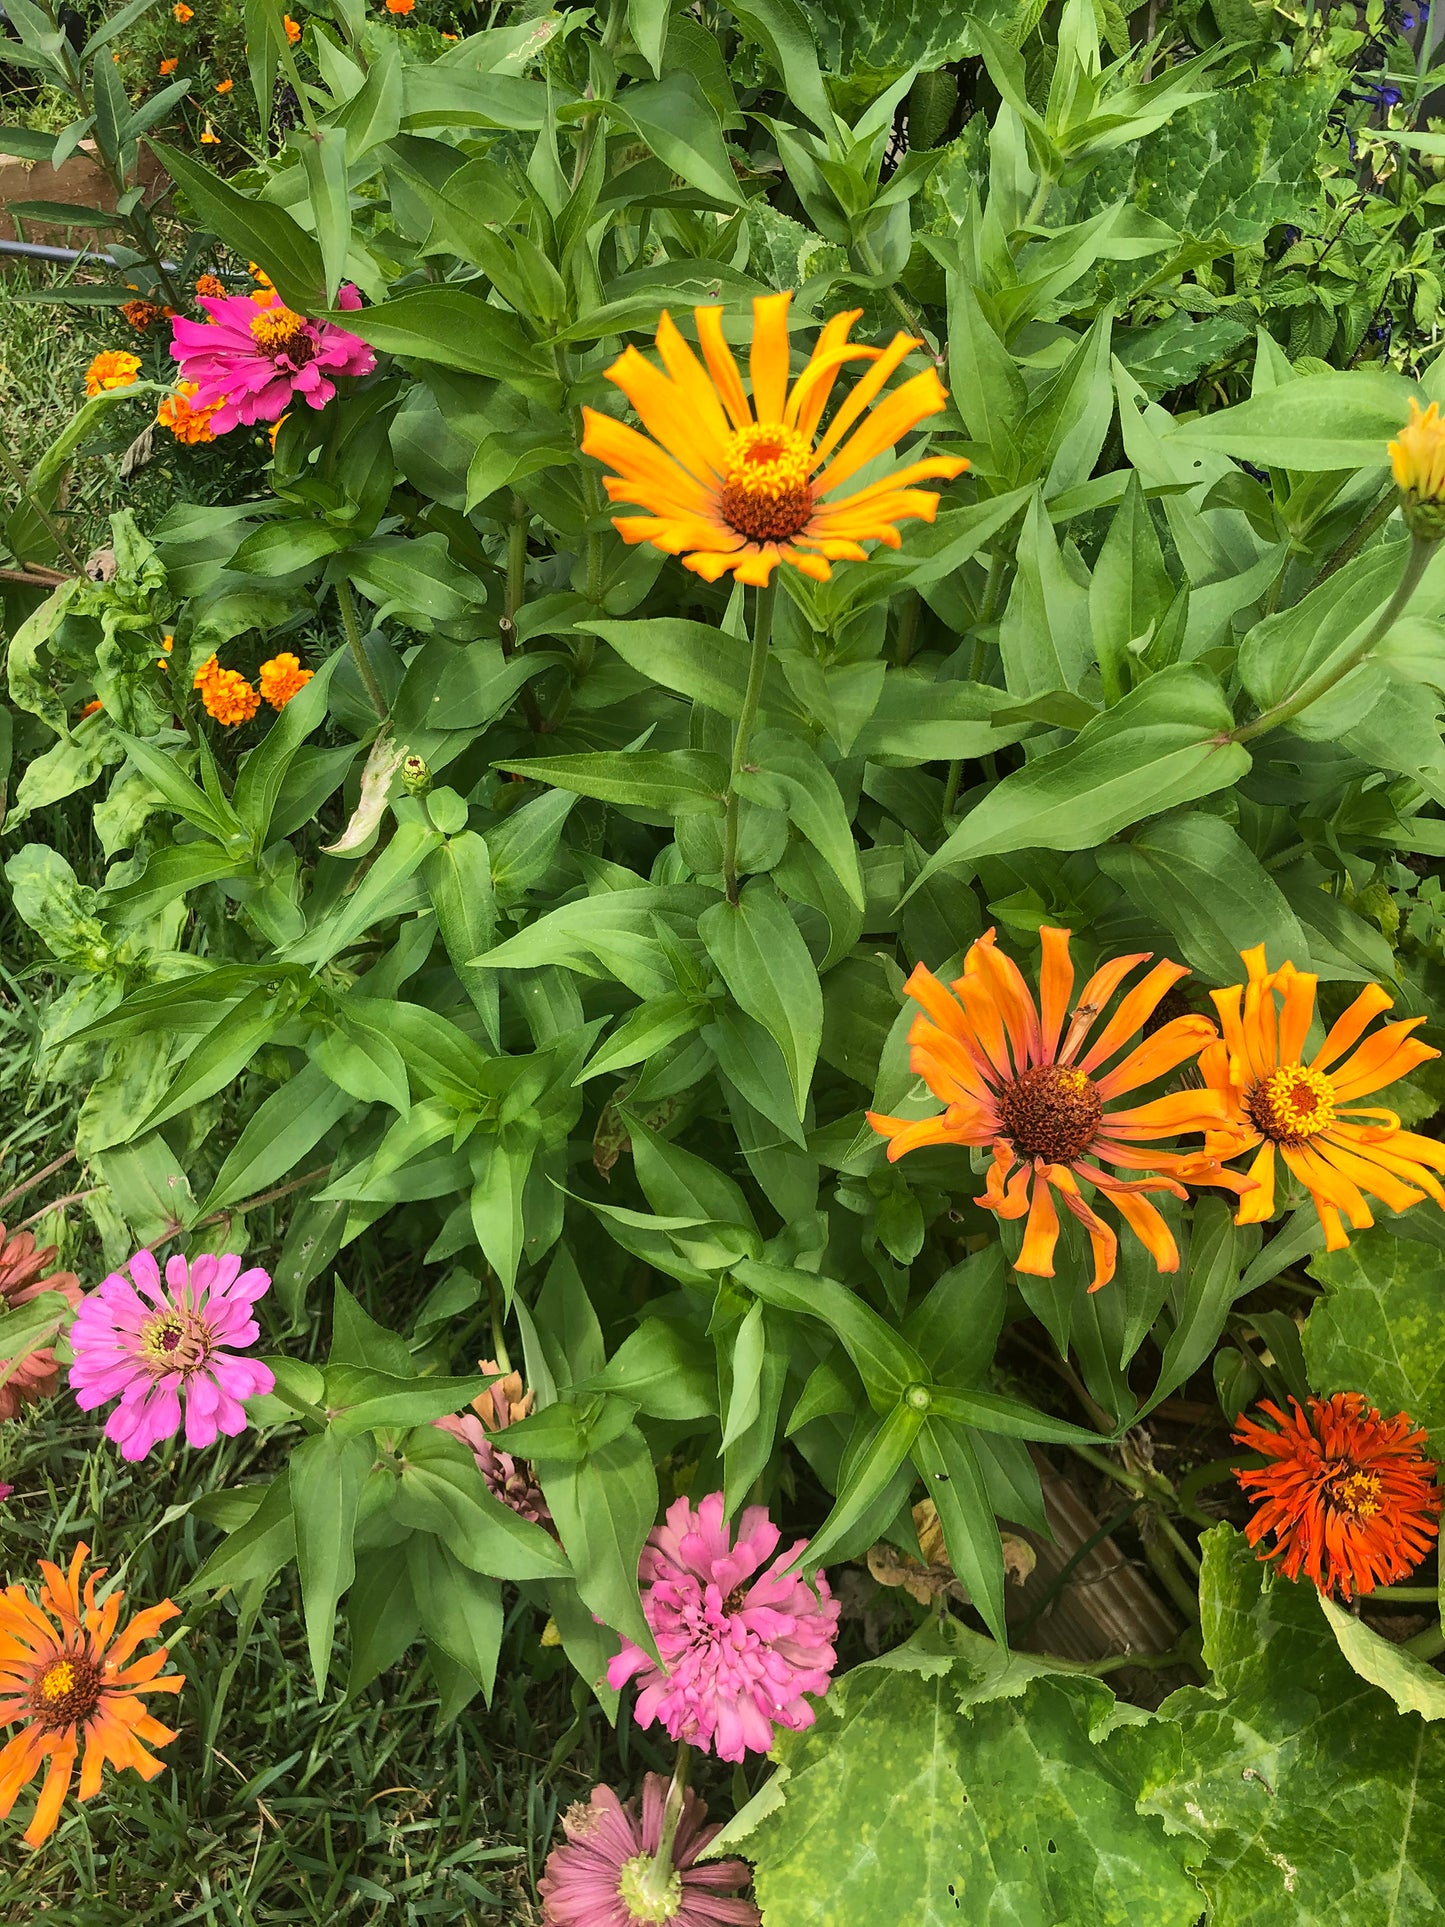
(278, 332)
(67, 1692)
(646, 1893)
(175, 1342)
(1050, 1113)
(1355, 1493)
(1292, 1104)
(765, 491)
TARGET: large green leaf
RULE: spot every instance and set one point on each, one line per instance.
(1340, 420)
(1379, 1329)
(765, 964)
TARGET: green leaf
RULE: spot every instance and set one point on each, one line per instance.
(459, 880)
(1165, 743)
(705, 664)
(256, 1551)
(646, 1031)
(786, 34)
(1337, 421)
(460, 1612)
(867, 1475)
(1044, 635)
(255, 230)
(323, 160)
(372, 898)
(765, 964)
(265, 769)
(32, 1325)
(279, 1133)
(441, 1491)
(382, 1618)
(359, 1399)
(496, 1204)
(1218, 1252)
(458, 329)
(1378, 1330)
(663, 1370)
(1281, 651)
(220, 1056)
(784, 772)
(1410, 1683)
(945, 1456)
(668, 781)
(604, 1508)
(327, 1473)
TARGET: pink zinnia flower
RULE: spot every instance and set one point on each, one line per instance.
(254, 357)
(5, 1491)
(511, 1479)
(147, 1343)
(740, 1646)
(606, 1875)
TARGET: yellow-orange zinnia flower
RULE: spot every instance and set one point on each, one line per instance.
(1013, 1077)
(111, 368)
(1307, 1113)
(1348, 1497)
(68, 1680)
(282, 678)
(400, 6)
(1417, 456)
(186, 422)
(733, 484)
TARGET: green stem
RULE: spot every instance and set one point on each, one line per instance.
(516, 594)
(52, 528)
(1427, 1645)
(1360, 534)
(1324, 680)
(752, 696)
(1166, 1571)
(1403, 1596)
(672, 1810)
(358, 653)
(499, 1342)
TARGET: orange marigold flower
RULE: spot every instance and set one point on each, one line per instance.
(69, 1681)
(92, 708)
(212, 286)
(225, 86)
(206, 674)
(1348, 1497)
(169, 66)
(1307, 1114)
(168, 643)
(400, 6)
(293, 31)
(733, 484)
(449, 36)
(140, 314)
(181, 13)
(111, 368)
(1013, 1078)
(226, 693)
(282, 678)
(186, 422)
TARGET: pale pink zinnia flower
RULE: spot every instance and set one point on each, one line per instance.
(256, 358)
(606, 1874)
(147, 1343)
(511, 1479)
(740, 1646)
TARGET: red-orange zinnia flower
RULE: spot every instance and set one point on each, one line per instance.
(735, 484)
(1306, 1112)
(1348, 1496)
(68, 1680)
(1013, 1078)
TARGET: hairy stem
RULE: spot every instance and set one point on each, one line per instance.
(752, 696)
(358, 652)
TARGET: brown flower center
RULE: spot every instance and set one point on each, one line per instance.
(279, 332)
(1050, 1113)
(1355, 1493)
(1291, 1104)
(736, 1600)
(67, 1692)
(765, 492)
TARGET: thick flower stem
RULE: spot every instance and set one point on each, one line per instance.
(1324, 680)
(358, 653)
(672, 1809)
(752, 696)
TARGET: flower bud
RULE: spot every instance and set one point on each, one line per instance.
(1417, 460)
(415, 775)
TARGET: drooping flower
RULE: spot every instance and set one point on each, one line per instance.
(1348, 1497)
(150, 1343)
(211, 284)
(741, 1645)
(209, 136)
(111, 368)
(1308, 1114)
(186, 422)
(24, 1274)
(226, 693)
(740, 485)
(282, 678)
(69, 1681)
(606, 1874)
(511, 1479)
(293, 31)
(255, 356)
(1014, 1078)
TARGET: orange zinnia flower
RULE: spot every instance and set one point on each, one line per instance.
(111, 368)
(1306, 1112)
(293, 31)
(186, 422)
(64, 1679)
(400, 6)
(181, 13)
(169, 66)
(225, 86)
(1348, 1496)
(282, 678)
(743, 486)
(998, 1062)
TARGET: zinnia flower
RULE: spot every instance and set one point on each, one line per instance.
(1417, 455)
(733, 485)
(1306, 1113)
(111, 368)
(5, 1492)
(226, 693)
(225, 86)
(209, 138)
(282, 678)
(186, 422)
(740, 1646)
(148, 1343)
(1014, 1079)
(400, 6)
(254, 357)
(293, 32)
(181, 13)
(606, 1874)
(24, 1274)
(500, 1405)
(169, 66)
(211, 284)
(68, 1680)
(1349, 1497)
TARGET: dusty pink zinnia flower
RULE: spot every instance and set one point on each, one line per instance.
(147, 1343)
(606, 1874)
(256, 358)
(741, 1646)
(24, 1274)
(511, 1479)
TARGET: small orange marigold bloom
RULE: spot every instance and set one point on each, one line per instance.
(1015, 1079)
(1307, 1114)
(1348, 1497)
(92, 708)
(736, 484)
(169, 66)
(293, 31)
(449, 36)
(230, 698)
(111, 368)
(140, 314)
(212, 286)
(400, 6)
(186, 422)
(69, 1681)
(282, 678)
(168, 643)
(225, 86)
(181, 13)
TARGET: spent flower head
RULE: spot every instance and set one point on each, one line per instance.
(608, 1871)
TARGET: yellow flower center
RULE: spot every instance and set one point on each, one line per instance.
(277, 331)
(646, 1892)
(1292, 1104)
(171, 1342)
(1354, 1493)
(765, 492)
(67, 1692)
(57, 1680)
(1050, 1113)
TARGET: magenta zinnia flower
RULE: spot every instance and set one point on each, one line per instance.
(510, 1479)
(256, 358)
(606, 1875)
(147, 1343)
(740, 1646)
